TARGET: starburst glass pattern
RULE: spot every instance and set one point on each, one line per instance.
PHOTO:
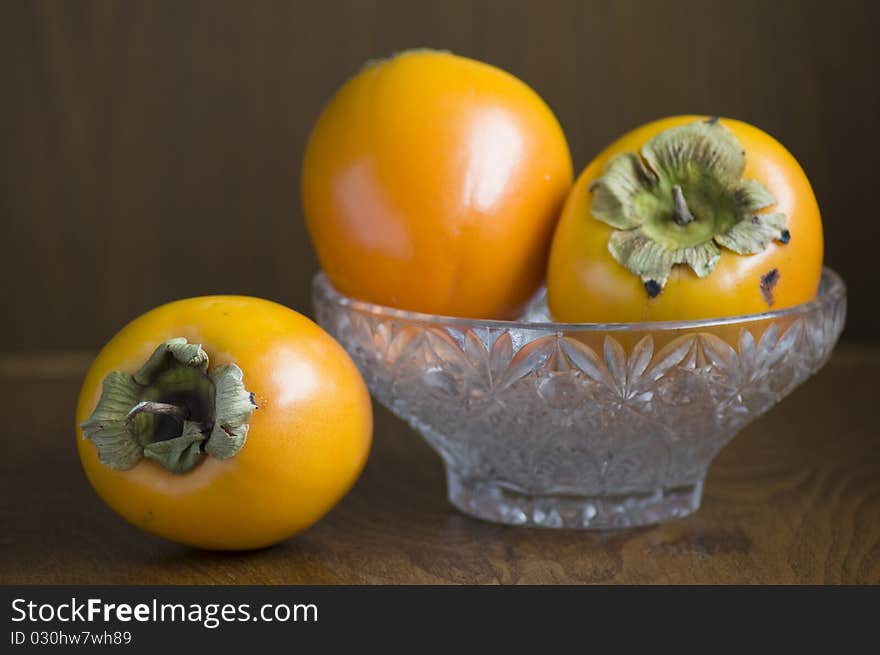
(584, 426)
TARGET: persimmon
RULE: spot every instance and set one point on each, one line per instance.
(223, 422)
(432, 182)
(687, 217)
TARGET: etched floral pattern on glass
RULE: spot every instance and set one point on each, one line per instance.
(591, 426)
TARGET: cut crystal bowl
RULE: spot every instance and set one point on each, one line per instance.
(580, 425)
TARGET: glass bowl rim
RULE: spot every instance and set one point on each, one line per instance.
(831, 289)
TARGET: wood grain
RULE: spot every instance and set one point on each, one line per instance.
(151, 150)
(795, 498)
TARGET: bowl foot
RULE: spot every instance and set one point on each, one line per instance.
(495, 502)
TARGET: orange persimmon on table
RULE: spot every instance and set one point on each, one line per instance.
(223, 422)
(432, 183)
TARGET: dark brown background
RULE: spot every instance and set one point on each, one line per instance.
(151, 150)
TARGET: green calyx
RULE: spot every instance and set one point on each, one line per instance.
(173, 411)
(679, 200)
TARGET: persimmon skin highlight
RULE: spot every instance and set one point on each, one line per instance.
(433, 183)
(309, 435)
(586, 284)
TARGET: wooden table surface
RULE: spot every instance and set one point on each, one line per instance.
(795, 498)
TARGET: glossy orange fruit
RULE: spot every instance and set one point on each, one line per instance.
(275, 425)
(747, 234)
(432, 183)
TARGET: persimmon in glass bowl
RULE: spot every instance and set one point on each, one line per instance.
(581, 425)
